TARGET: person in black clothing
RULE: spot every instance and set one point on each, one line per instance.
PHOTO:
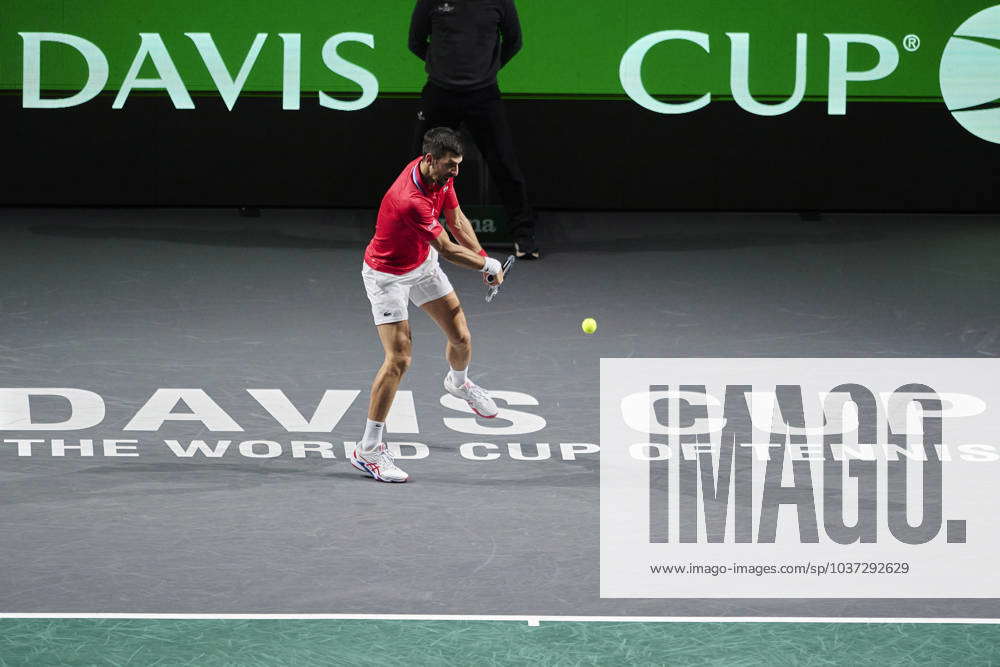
(464, 43)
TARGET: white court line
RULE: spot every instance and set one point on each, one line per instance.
(530, 620)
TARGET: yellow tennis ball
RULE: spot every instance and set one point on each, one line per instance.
(589, 325)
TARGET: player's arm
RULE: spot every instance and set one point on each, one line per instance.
(470, 259)
(461, 228)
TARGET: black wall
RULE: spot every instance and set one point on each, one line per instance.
(576, 155)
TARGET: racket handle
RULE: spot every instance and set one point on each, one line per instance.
(492, 291)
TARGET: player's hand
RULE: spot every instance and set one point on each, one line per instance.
(492, 271)
(493, 280)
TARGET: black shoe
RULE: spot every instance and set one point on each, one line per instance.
(526, 249)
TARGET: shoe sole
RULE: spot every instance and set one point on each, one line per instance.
(481, 414)
(363, 468)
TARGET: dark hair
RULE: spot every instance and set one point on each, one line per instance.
(440, 141)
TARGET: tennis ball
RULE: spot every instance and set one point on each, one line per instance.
(589, 325)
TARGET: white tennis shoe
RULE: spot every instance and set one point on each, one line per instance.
(477, 397)
(379, 464)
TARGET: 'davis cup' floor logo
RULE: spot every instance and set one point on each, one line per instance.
(970, 75)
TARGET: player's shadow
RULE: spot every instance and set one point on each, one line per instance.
(231, 474)
(132, 479)
(197, 466)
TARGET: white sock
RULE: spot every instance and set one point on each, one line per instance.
(458, 377)
(372, 437)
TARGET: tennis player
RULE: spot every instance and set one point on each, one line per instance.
(401, 264)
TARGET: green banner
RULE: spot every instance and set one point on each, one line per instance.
(570, 48)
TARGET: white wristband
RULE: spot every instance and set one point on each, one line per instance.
(492, 266)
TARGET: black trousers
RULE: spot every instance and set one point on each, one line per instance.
(483, 114)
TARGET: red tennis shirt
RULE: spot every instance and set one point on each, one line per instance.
(408, 221)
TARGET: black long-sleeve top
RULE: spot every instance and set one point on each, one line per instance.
(469, 40)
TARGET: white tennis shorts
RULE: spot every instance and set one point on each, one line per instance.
(389, 293)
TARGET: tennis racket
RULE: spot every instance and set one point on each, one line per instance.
(493, 289)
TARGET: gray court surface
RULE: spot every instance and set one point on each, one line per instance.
(124, 303)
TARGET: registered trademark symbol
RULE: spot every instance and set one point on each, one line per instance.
(911, 43)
